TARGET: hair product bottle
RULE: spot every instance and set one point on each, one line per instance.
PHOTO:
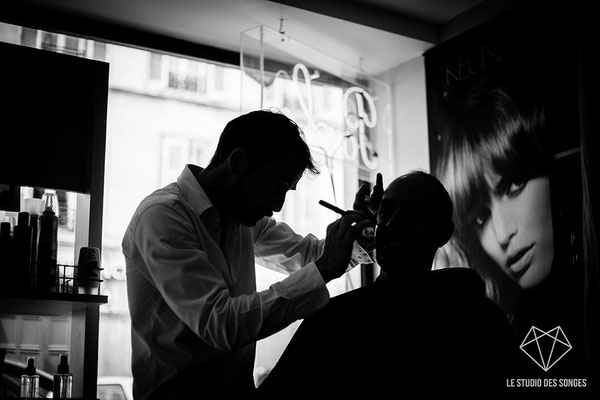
(30, 380)
(88, 270)
(47, 248)
(63, 380)
(22, 236)
(7, 268)
(33, 223)
(50, 193)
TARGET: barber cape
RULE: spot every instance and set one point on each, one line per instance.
(387, 339)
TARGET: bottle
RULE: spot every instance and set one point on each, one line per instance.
(22, 237)
(7, 269)
(34, 207)
(33, 223)
(47, 249)
(5, 238)
(25, 192)
(30, 380)
(88, 270)
(63, 380)
(50, 196)
(6, 245)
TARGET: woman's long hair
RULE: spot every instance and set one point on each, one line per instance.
(491, 138)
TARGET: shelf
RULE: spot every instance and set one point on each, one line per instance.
(50, 303)
(81, 85)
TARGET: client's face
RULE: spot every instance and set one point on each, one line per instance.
(405, 222)
(516, 231)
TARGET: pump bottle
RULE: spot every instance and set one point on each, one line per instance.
(30, 380)
(63, 380)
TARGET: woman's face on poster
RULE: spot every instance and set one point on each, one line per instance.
(516, 231)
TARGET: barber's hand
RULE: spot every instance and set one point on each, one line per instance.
(339, 243)
(369, 203)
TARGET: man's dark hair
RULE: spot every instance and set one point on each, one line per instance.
(266, 136)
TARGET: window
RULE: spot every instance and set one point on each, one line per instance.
(187, 75)
(62, 43)
(164, 112)
(218, 77)
(177, 151)
(29, 37)
(156, 61)
(194, 80)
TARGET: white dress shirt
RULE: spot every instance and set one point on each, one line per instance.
(195, 312)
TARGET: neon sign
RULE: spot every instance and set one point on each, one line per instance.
(359, 113)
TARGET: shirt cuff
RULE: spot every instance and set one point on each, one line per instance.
(308, 290)
(359, 256)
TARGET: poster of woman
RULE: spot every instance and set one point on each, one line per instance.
(505, 141)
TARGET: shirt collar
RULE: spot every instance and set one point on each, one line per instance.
(191, 189)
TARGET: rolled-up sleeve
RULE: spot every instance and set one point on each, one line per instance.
(279, 248)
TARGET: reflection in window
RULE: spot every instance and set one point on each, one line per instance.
(62, 43)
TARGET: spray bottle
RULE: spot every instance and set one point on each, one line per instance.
(30, 380)
(63, 380)
(47, 248)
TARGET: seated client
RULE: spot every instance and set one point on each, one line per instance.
(413, 330)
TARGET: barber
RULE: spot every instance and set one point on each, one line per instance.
(190, 252)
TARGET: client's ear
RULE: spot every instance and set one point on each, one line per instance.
(446, 233)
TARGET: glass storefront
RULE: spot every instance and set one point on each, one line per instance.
(165, 111)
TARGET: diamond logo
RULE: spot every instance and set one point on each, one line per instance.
(546, 348)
